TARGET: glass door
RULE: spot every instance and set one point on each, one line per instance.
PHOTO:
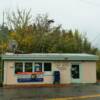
(75, 73)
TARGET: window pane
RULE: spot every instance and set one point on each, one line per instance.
(18, 67)
(28, 67)
(47, 66)
(38, 67)
(75, 71)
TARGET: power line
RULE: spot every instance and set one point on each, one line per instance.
(94, 42)
(95, 38)
(90, 3)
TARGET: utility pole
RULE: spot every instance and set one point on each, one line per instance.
(1, 64)
(3, 20)
(50, 21)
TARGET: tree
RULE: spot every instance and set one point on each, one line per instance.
(3, 38)
(38, 36)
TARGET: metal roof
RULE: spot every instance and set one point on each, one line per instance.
(51, 56)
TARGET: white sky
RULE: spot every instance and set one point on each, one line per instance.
(83, 15)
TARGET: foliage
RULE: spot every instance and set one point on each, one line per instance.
(40, 36)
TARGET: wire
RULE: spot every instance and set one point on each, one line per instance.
(90, 3)
(96, 38)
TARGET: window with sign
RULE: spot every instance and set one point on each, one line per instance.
(18, 67)
(47, 67)
(38, 67)
(28, 67)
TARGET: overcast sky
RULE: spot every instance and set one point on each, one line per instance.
(83, 15)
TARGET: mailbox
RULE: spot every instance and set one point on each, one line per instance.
(56, 75)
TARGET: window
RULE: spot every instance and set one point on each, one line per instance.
(75, 71)
(18, 67)
(28, 67)
(38, 67)
(47, 67)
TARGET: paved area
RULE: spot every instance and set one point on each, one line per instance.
(95, 96)
(74, 92)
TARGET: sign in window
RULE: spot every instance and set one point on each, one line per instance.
(38, 67)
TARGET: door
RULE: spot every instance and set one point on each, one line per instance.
(75, 73)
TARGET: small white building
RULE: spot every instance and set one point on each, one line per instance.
(38, 68)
